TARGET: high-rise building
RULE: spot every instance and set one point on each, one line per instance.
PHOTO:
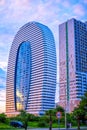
(31, 73)
(72, 62)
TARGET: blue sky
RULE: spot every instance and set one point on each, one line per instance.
(16, 13)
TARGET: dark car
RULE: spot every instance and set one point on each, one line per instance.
(18, 124)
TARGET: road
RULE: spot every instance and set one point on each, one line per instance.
(84, 128)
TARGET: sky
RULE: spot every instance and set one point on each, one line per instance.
(15, 13)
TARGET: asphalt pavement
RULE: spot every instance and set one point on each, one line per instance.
(82, 128)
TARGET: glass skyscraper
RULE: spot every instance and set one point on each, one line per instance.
(31, 73)
(72, 62)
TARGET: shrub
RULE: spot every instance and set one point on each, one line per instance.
(3, 118)
(42, 124)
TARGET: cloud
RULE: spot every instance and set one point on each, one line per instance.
(2, 72)
(85, 1)
(2, 78)
(2, 82)
(3, 65)
(5, 44)
(2, 2)
(66, 4)
(79, 10)
(2, 90)
(2, 106)
(2, 100)
(21, 11)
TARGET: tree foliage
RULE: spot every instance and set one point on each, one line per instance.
(59, 108)
(52, 115)
(3, 118)
(83, 104)
(24, 117)
(80, 113)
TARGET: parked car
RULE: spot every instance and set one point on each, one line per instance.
(18, 124)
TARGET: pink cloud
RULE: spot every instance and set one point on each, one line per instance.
(78, 9)
(2, 2)
(2, 101)
(85, 1)
(3, 65)
(66, 4)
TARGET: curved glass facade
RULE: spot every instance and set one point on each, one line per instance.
(31, 74)
(22, 76)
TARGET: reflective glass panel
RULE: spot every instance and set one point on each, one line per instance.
(22, 76)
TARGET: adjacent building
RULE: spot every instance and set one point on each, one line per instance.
(72, 62)
(31, 73)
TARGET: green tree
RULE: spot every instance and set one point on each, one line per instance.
(59, 108)
(78, 114)
(24, 117)
(50, 113)
(3, 118)
(83, 103)
(81, 111)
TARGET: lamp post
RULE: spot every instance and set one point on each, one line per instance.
(66, 85)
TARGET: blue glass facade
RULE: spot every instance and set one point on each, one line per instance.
(22, 76)
(49, 70)
(72, 63)
(32, 70)
(80, 30)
